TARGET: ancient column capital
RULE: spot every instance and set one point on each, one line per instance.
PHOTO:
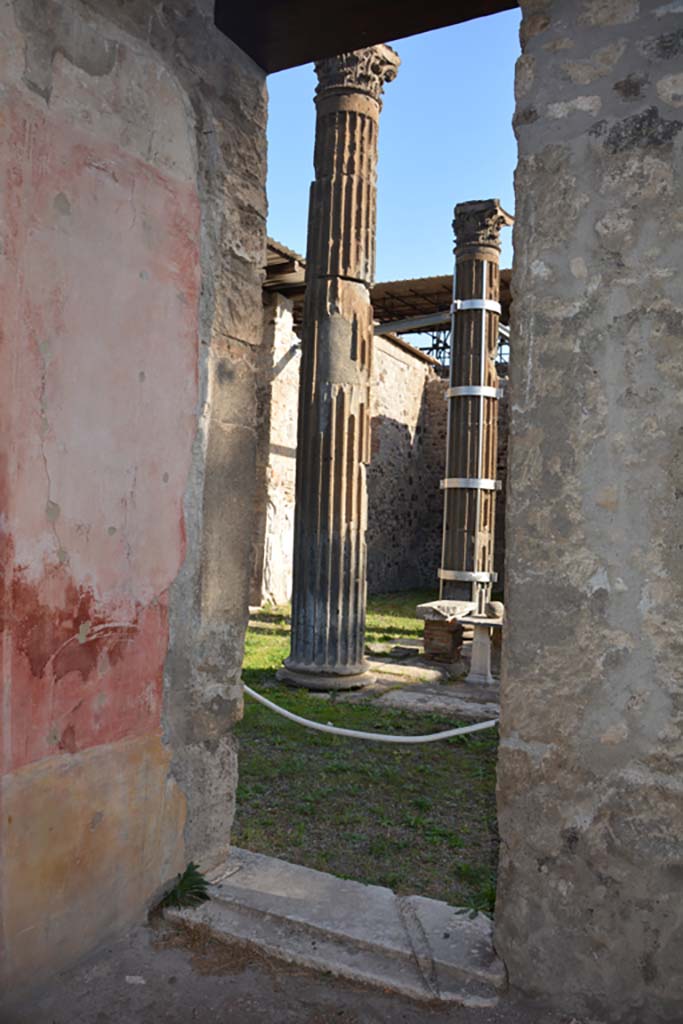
(363, 72)
(477, 225)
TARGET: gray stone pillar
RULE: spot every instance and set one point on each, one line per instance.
(328, 603)
(470, 486)
(590, 787)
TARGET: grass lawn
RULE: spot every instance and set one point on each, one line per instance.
(417, 819)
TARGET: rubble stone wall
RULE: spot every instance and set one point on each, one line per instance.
(274, 538)
(590, 791)
(405, 503)
(408, 437)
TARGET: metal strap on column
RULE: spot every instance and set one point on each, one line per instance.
(463, 576)
(481, 391)
(491, 305)
(470, 483)
(484, 305)
(474, 391)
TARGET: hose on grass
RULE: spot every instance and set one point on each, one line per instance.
(375, 737)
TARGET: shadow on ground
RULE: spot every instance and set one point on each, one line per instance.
(157, 976)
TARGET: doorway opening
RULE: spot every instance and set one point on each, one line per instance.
(417, 820)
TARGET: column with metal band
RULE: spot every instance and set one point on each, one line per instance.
(329, 588)
(469, 485)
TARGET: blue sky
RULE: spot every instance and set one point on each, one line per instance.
(445, 137)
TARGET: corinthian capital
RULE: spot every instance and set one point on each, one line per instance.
(362, 71)
(478, 223)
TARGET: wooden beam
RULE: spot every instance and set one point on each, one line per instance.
(280, 34)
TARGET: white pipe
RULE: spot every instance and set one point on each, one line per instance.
(377, 737)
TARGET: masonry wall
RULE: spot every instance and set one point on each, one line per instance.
(408, 445)
(131, 240)
(405, 502)
(274, 536)
(590, 902)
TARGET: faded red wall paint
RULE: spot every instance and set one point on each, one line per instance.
(98, 370)
(83, 679)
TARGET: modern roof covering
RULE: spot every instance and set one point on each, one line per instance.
(422, 297)
(285, 270)
(277, 253)
(392, 301)
(280, 34)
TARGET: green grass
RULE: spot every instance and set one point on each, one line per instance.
(419, 819)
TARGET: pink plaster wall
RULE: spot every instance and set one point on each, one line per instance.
(98, 372)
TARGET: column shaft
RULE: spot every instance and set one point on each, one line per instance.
(469, 486)
(328, 602)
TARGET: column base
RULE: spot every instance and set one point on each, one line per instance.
(480, 678)
(323, 680)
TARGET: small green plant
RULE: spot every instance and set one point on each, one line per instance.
(481, 883)
(190, 889)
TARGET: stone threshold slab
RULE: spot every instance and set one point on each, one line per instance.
(412, 946)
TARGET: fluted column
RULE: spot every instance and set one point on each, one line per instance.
(329, 589)
(466, 571)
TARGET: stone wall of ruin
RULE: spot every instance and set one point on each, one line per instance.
(274, 535)
(405, 503)
(408, 421)
(132, 237)
(590, 899)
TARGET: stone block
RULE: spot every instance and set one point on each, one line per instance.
(444, 611)
(414, 946)
(442, 639)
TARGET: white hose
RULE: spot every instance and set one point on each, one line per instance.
(378, 737)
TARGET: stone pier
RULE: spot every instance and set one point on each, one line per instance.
(469, 486)
(328, 603)
(590, 789)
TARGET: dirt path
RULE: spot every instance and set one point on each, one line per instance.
(153, 977)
